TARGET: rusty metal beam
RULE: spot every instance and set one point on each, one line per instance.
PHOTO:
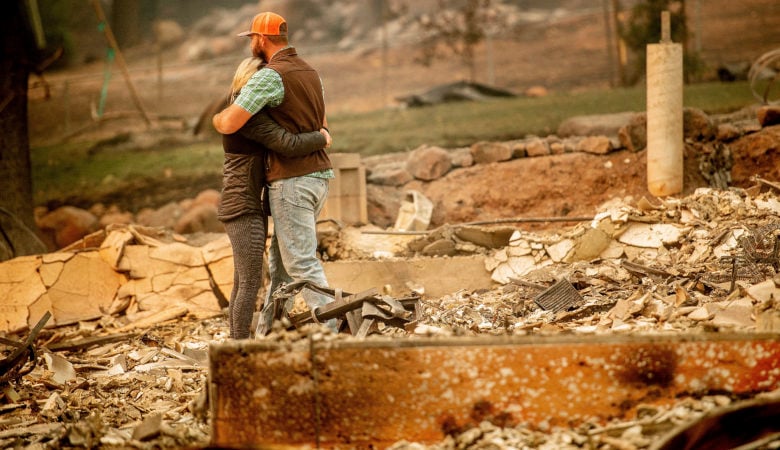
(377, 391)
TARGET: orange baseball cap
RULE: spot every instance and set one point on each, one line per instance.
(268, 23)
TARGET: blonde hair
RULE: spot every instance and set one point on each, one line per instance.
(244, 72)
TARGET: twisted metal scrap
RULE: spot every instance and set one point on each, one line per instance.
(13, 367)
(759, 255)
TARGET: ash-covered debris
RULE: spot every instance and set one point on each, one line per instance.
(94, 391)
(704, 263)
(652, 424)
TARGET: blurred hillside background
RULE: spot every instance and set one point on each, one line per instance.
(181, 53)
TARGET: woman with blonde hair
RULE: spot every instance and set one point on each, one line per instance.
(243, 209)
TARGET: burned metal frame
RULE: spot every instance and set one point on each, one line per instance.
(13, 367)
(373, 308)
(757, 248)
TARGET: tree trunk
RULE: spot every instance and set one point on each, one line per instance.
(15, 63)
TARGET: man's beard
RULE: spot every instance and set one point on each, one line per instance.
(258, 52)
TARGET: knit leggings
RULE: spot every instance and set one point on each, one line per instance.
(247, 237)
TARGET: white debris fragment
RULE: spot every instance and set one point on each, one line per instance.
(652, 235)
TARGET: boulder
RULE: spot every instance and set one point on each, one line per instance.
(382, 204)
(67, 224)
(390, 174)
(756, 154)
(727, 132)
(633, 135)
(537, 147)
(429, 163)
(697, 125)
(598, 145)
(200, 218)
(166, 217)
(461, 157)
(208, 197)
(768, 115)
(488, 152)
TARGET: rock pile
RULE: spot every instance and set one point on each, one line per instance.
(724, 150)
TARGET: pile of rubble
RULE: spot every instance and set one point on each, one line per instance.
(123, 360)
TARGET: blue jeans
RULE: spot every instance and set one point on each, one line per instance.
(295, 204)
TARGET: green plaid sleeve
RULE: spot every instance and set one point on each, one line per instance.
(264, 88)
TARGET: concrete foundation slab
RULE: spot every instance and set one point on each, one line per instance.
(361, 393)
(436, 276)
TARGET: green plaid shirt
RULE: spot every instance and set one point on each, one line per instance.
(266, 88)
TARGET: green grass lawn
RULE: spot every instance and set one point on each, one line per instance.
(67, 170)
(461, 124)
(71, 170)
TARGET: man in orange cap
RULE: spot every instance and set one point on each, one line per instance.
(292, 92)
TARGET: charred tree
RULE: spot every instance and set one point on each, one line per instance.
(17, 60)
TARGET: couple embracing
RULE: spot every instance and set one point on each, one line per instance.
(274, 137)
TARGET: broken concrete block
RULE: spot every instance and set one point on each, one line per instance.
(218, 257)
(589, 245)
(560, 250)
(84, 290)
(658, 310)
(485, 237)
(113, 246)
(20, 287)
(503, 273)
(521, 265)
(519, 248)
(765, 291)
(441, 247)
(61, 368)
(415, 212)
(50, 271)
(700, 314)
(737, 313)
(180, 254)
(614, 250)
(652, 235)
(438, 276)
(52, 266)
(198, 298)
(150, 319)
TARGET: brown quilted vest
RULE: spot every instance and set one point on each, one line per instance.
(303, 109)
